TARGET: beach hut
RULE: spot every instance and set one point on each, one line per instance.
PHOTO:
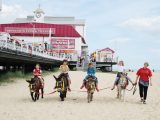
(105, 55)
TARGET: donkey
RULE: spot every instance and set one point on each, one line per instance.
(90, 86)
(62, 85)
(121, 87)
(35, 85)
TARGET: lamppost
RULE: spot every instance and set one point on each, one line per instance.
(46, 46)
(33, 26)
(58, 50)
(22, 44)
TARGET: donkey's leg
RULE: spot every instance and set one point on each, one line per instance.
(123, 95)
(65, 93)
(120, 93)
(62, 96)
(37, 93)
(42, 92)
(88, 97)
(92, 96)
(35, 96)
(32, 96)
(118, 89)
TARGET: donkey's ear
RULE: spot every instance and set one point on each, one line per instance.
(55, 77)
(28, 81)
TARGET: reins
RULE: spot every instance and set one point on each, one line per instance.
(130, 89)
(86, 91)
(104, 88)
(134, 91)
(45, 94)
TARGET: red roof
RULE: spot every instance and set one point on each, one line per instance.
(107, 49)
(39, 29)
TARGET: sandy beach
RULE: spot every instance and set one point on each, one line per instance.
(16, 103)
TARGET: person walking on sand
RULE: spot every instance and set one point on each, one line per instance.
(144, 76)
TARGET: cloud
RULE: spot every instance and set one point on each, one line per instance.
(10, 12)
(120, 40)
(143, 24)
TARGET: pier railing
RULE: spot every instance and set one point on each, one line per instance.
(114, 59)
(26, 48)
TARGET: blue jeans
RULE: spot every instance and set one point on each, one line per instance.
(94, 78)
(117, 79)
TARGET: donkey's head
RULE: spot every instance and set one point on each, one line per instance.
(32, 81)
(123, 82)
(90, 85)
(60, 83)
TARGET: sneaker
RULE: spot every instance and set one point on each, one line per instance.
(144, 102)
(141, 100)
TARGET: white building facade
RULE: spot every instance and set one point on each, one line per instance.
(67, 29)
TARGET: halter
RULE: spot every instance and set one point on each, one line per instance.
(60, 85)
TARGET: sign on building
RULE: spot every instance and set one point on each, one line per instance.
(63, 43)
(20, 30)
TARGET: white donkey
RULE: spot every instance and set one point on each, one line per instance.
(121, 87)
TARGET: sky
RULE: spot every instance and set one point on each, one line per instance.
(130, 27)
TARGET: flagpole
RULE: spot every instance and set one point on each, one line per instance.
(50, 36)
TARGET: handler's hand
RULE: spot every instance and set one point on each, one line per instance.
(135, 83)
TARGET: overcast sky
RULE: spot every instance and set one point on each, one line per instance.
(131, 27)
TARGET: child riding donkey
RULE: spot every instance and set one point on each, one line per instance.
(90, 73)
(121, 72)
(37, 72)
(64, 71)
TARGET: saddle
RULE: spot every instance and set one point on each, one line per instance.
(60, 84)
(124, 85)
(63, 75)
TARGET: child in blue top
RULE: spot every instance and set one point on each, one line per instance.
(90, 73)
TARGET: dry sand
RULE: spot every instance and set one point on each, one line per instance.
(16, 103)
